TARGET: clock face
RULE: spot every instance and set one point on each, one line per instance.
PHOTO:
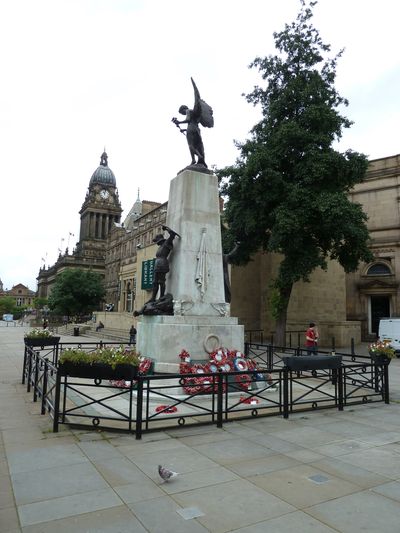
(104, 193)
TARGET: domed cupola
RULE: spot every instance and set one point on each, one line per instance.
(103, 175)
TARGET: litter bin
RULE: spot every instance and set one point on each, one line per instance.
(76, 332)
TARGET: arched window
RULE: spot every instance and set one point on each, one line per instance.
(378, 269)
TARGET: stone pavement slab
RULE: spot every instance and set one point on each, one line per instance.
(317, 472)
(363, 511)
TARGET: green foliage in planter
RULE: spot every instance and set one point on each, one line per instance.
(382, 349)
(38, 333)
(108, 356)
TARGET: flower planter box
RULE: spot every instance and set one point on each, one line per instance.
(42, 342)
(379, 359)
(99, 371)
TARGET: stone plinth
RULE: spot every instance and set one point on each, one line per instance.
(196, 273)
(201, 321)
(163, 337)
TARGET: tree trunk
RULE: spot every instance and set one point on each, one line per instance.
(280, 326)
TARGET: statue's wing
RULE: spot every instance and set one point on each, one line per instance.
(202, 109)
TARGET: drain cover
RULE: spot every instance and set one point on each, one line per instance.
(190, 512)
(319, 478)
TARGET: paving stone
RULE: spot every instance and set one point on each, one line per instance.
(45, 511)
(383, 462)
(361, 477)
(119, 471)
(198, 479)
(8, 520)
(146, 489)
(365, 511)
(47, 456)
(294, 486)
(56, 482)
(6, 492)
(264, 465)
(232, 450)
(178, 459)
(160, 516)
(114, 520)
(275, 444)
(232, 505)
(99, 450)
(342, 447)
(305, 456)
(390, 490)
(298, 521)
(309, 436)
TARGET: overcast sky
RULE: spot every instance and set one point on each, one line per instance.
(81, 75)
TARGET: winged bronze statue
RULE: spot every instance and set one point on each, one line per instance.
(202, 114)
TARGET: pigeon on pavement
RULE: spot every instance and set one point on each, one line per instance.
(166, 474)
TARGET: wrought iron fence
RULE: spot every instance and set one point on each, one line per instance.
(272, 389)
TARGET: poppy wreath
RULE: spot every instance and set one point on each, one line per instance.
(190, 386)
(243, 381)
(185, 368)
(145, 366)
(219, 357)
(249, 399)
(185, 356)
(166, 409)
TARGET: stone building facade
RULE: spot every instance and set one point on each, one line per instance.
(373, 291)
(22, 295)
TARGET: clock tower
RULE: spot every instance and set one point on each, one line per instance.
(99, 211)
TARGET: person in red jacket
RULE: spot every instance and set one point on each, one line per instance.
(312, 339)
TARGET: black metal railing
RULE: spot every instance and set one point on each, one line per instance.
(272, 389)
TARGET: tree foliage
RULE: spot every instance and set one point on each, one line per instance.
(7, 305)
(288, 190)
(76, 292)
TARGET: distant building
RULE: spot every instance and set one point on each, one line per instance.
(100, 211)
(21, 294)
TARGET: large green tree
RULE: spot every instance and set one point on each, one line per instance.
(288, 190)
(76, 292)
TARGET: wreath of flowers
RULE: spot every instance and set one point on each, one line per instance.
(167, 409)
(145, 366)
(185, 356)
(221, 360)
(249, 399)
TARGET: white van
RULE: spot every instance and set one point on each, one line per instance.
(389, 328)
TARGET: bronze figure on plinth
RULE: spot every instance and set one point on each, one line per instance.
(202, 114)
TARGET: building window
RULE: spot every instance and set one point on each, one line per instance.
(379, 269)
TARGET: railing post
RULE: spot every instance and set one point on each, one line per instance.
(333, 346)
(352, 346)
(57, 402)
(220, 392)
(246, 349)
(24, 365)
(290, 340)
(340, 387)
(28, 386)
(36, 376)
(139, 407)
(298, 340)
(385, 382)
(285, 392)
(44, 391)
(270, 356)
